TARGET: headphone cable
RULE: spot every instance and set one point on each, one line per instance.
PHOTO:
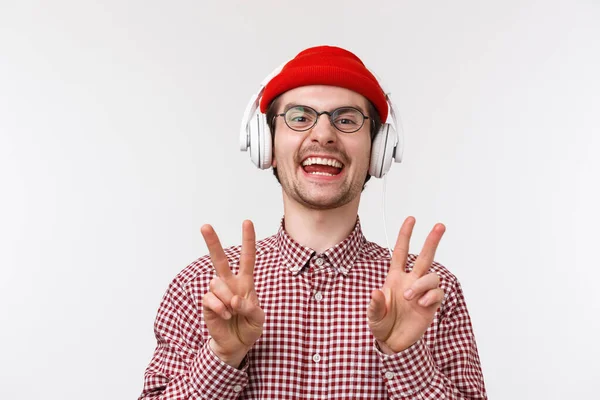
(384, 219)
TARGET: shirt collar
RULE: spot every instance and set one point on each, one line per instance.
(341, 256)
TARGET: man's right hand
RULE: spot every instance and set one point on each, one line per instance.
(231, 310)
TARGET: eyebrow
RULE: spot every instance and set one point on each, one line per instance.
(291, 105)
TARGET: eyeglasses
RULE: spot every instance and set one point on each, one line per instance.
(344, 119)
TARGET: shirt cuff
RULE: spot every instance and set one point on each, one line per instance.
(212, 378)
(407, 372)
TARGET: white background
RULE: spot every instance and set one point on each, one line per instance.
(119, 129)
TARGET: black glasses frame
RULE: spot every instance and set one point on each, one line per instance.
(330, 114)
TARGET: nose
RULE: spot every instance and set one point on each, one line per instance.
(323, 132)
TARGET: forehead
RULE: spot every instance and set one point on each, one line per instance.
(322, 97)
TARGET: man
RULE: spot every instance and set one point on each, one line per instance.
(316, 310)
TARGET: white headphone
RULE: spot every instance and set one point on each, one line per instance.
(255, 134)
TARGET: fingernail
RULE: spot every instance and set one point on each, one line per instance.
(226, 315)
(408, 294)
(423, 301)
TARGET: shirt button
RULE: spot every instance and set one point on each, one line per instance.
(319, 261)
(389, 375)
(316, 357)
(237, 388)
(318, 296)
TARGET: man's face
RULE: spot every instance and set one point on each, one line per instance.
(299, 156)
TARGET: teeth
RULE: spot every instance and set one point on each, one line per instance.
(322, 161)
(321, 173)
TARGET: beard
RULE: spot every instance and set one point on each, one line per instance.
(323, 201)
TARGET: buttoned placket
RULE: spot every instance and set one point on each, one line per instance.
(320, 276)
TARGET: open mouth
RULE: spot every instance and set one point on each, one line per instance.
(322, 166)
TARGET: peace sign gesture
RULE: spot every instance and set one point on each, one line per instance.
(400, 313)
(231, 310)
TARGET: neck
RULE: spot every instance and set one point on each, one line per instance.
(319, 229)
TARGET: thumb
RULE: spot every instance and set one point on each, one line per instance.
(377, 309)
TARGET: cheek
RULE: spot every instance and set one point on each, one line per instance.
(362, 152)
(284, 148)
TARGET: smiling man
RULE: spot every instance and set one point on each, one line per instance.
(316, 310)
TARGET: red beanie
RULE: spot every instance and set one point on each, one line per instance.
(326, 65)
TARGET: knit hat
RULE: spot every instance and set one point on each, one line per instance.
(326, 65)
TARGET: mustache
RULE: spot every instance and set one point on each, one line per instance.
(337, 154)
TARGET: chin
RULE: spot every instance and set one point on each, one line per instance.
(323, 201)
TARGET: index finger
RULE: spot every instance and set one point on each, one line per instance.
(400, 253)
(217, 255)
(248, 254)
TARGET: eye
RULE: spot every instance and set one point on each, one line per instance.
(346, 121)
(299, 116)
(348, 117)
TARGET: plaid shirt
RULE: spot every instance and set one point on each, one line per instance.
(316, 343)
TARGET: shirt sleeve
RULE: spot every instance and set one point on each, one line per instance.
(183, 365)
(449, 368)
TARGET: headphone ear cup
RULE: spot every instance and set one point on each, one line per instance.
(382, 151)
(261, 147)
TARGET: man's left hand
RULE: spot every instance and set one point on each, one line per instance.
(402, 310)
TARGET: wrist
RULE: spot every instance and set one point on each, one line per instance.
(389, 350)
(233, 359)
(385, 348)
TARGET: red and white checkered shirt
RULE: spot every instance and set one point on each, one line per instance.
(316, 343)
